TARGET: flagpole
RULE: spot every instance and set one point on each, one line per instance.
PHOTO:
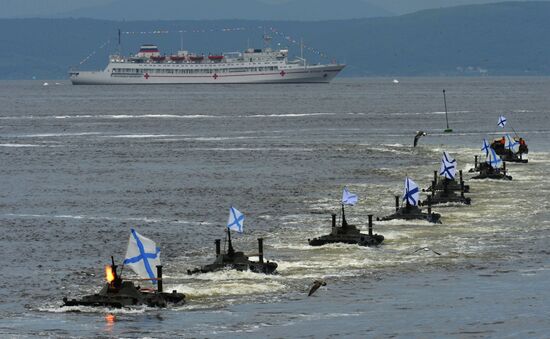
(119, 43)
(230, 249)
(514, 131)
(344, 222)
(225, 240)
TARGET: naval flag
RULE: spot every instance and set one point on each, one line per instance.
(511, 144)
(142, 256)
(236, 220)
(412, 193)
(494, 160)
(348, 198)
(448, 166)
(485, 147)
(502, 121)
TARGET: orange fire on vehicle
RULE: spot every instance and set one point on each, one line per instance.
(109, 274)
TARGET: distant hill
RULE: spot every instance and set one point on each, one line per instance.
(497, 39)
(301, 10)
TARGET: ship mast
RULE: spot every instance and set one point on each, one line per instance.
(267, 41)
(119, 43)
(302, 51)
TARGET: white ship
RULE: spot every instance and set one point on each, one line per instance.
(253, 66)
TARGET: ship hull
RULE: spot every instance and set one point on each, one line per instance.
(310, 74)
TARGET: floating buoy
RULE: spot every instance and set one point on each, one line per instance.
(395, 81)
(448, 129)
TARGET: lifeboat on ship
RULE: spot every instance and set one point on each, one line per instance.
(177, 58)
(217, 58)
(158, 58)
(196, 58)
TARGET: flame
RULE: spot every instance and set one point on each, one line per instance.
(110, 318)
(109, 274)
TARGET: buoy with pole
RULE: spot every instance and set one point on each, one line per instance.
(448, 129)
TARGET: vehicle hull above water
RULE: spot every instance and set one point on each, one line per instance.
(236, 260)
(125, 295)
(358, 239)
(348, 234)
(487, 172)
(413, 213)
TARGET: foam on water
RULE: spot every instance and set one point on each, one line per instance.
(49, 135)
(21, 145)
(289, 115)
(87, 217)
(90, 309)
(227, 288)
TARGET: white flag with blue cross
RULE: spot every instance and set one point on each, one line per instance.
(512, 144)
(485, 147)
(349, 198)
(236, 220)
(494, 160)
(502, 121)
(448, 166)
(412, 192)
(142, 256)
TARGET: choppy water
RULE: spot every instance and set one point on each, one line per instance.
(81, 165)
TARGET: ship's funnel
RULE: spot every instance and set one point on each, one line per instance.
(159, 278)
(261, 249)
(370, 224)
(218, 247)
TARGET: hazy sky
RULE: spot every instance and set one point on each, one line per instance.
(45, 8)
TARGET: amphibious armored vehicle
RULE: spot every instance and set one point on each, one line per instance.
(237, 260)
(450, 185)
(486, 171)
(411, 212)
(443, 191)
(119, 293)
(348, 234)
(506, 154)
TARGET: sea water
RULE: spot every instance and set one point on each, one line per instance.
(83, 165)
